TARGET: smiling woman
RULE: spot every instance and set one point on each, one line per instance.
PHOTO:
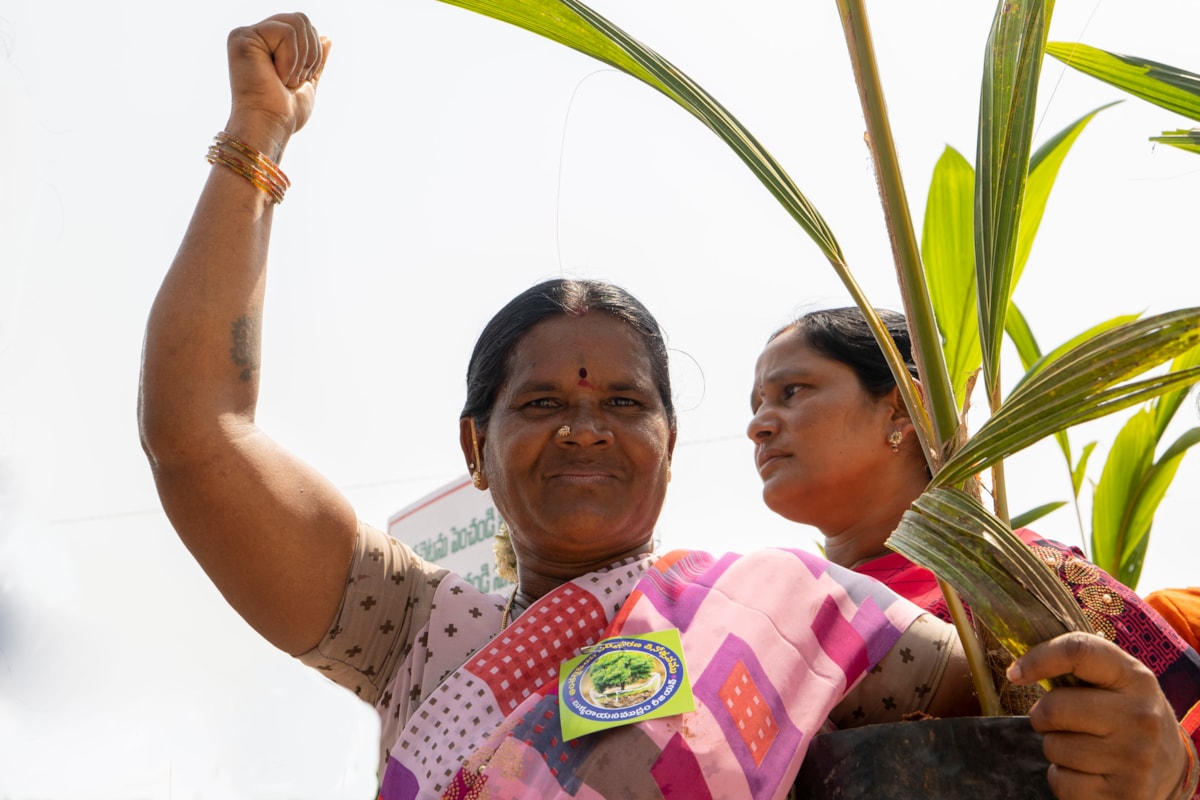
(609, 472)
(569, 422)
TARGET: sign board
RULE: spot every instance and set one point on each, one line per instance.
(452, 527)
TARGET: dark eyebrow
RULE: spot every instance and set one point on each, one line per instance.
(785, 375)
(631, 386)
(624, 385)
(774, 378)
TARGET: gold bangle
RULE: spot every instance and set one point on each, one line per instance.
(259, 159)
(263, 173)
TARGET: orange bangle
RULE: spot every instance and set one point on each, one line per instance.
(231, 152)
(1191, 781)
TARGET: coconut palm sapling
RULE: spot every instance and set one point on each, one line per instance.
(946, 527)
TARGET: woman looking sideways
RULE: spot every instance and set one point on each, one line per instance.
(835, 449)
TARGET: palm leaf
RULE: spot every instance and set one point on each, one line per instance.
(1166, 406)
(1132, 484)
(1161, 84)
(1129, 460)
(1043, 171)
(579, 27)
(1006, 120)
(1027, 518)
(948, 250)
(1021, 335)
(948, 246)
(927, 349)
(1154, 489)
(1010, 591)
(1080, 469)
(1088, 381)
(1129, 493)
(1188, 140)
(1075, 341)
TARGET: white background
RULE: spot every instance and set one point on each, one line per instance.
(453, 161)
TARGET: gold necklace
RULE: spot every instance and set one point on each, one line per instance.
(508, 608)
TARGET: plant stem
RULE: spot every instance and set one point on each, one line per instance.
(981, 674)
(927, 347)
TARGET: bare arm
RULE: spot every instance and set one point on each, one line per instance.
(272, 534)
(1116, 737)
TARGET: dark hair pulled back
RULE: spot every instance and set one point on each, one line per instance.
(842, 334)
(559, 297)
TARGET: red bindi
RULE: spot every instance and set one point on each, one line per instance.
(583, 381)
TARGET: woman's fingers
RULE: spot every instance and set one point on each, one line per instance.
(1114, 737)
(273, 69)
(290, 41)
(1088, 657)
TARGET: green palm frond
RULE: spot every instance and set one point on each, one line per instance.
(1165, 86)
(1187, 140)
(1091, 380)
(1018, 598)
(579, 27)
(910, 274)
(1133, 483)
(948, 246)
(1007, 109)
(1031, 516)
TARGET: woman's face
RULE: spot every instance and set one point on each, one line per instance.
(821, 441)
(597, 491)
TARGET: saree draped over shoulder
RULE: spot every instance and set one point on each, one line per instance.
(771, 641)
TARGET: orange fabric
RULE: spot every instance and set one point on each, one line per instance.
(1181, 608)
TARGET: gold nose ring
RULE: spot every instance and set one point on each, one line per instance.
(564, 431)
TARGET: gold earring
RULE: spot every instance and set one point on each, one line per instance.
(476, 478)
(668, 473)
(894, 439)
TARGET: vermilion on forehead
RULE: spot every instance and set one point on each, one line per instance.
(587, 348)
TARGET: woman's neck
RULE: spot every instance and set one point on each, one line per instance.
(537, 576)
(855, 550)
(862, 537)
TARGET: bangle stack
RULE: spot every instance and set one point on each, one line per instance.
(230, 151)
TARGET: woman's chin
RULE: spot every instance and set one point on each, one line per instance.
(783, 503)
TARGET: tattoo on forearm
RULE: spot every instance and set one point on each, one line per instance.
(246, 342)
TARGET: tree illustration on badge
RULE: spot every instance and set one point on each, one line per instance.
(620, 670)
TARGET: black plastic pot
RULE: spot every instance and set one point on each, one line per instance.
(976, 758)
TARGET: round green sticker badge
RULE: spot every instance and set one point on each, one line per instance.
(623, 680)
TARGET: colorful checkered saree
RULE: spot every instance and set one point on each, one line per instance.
(772, 641)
